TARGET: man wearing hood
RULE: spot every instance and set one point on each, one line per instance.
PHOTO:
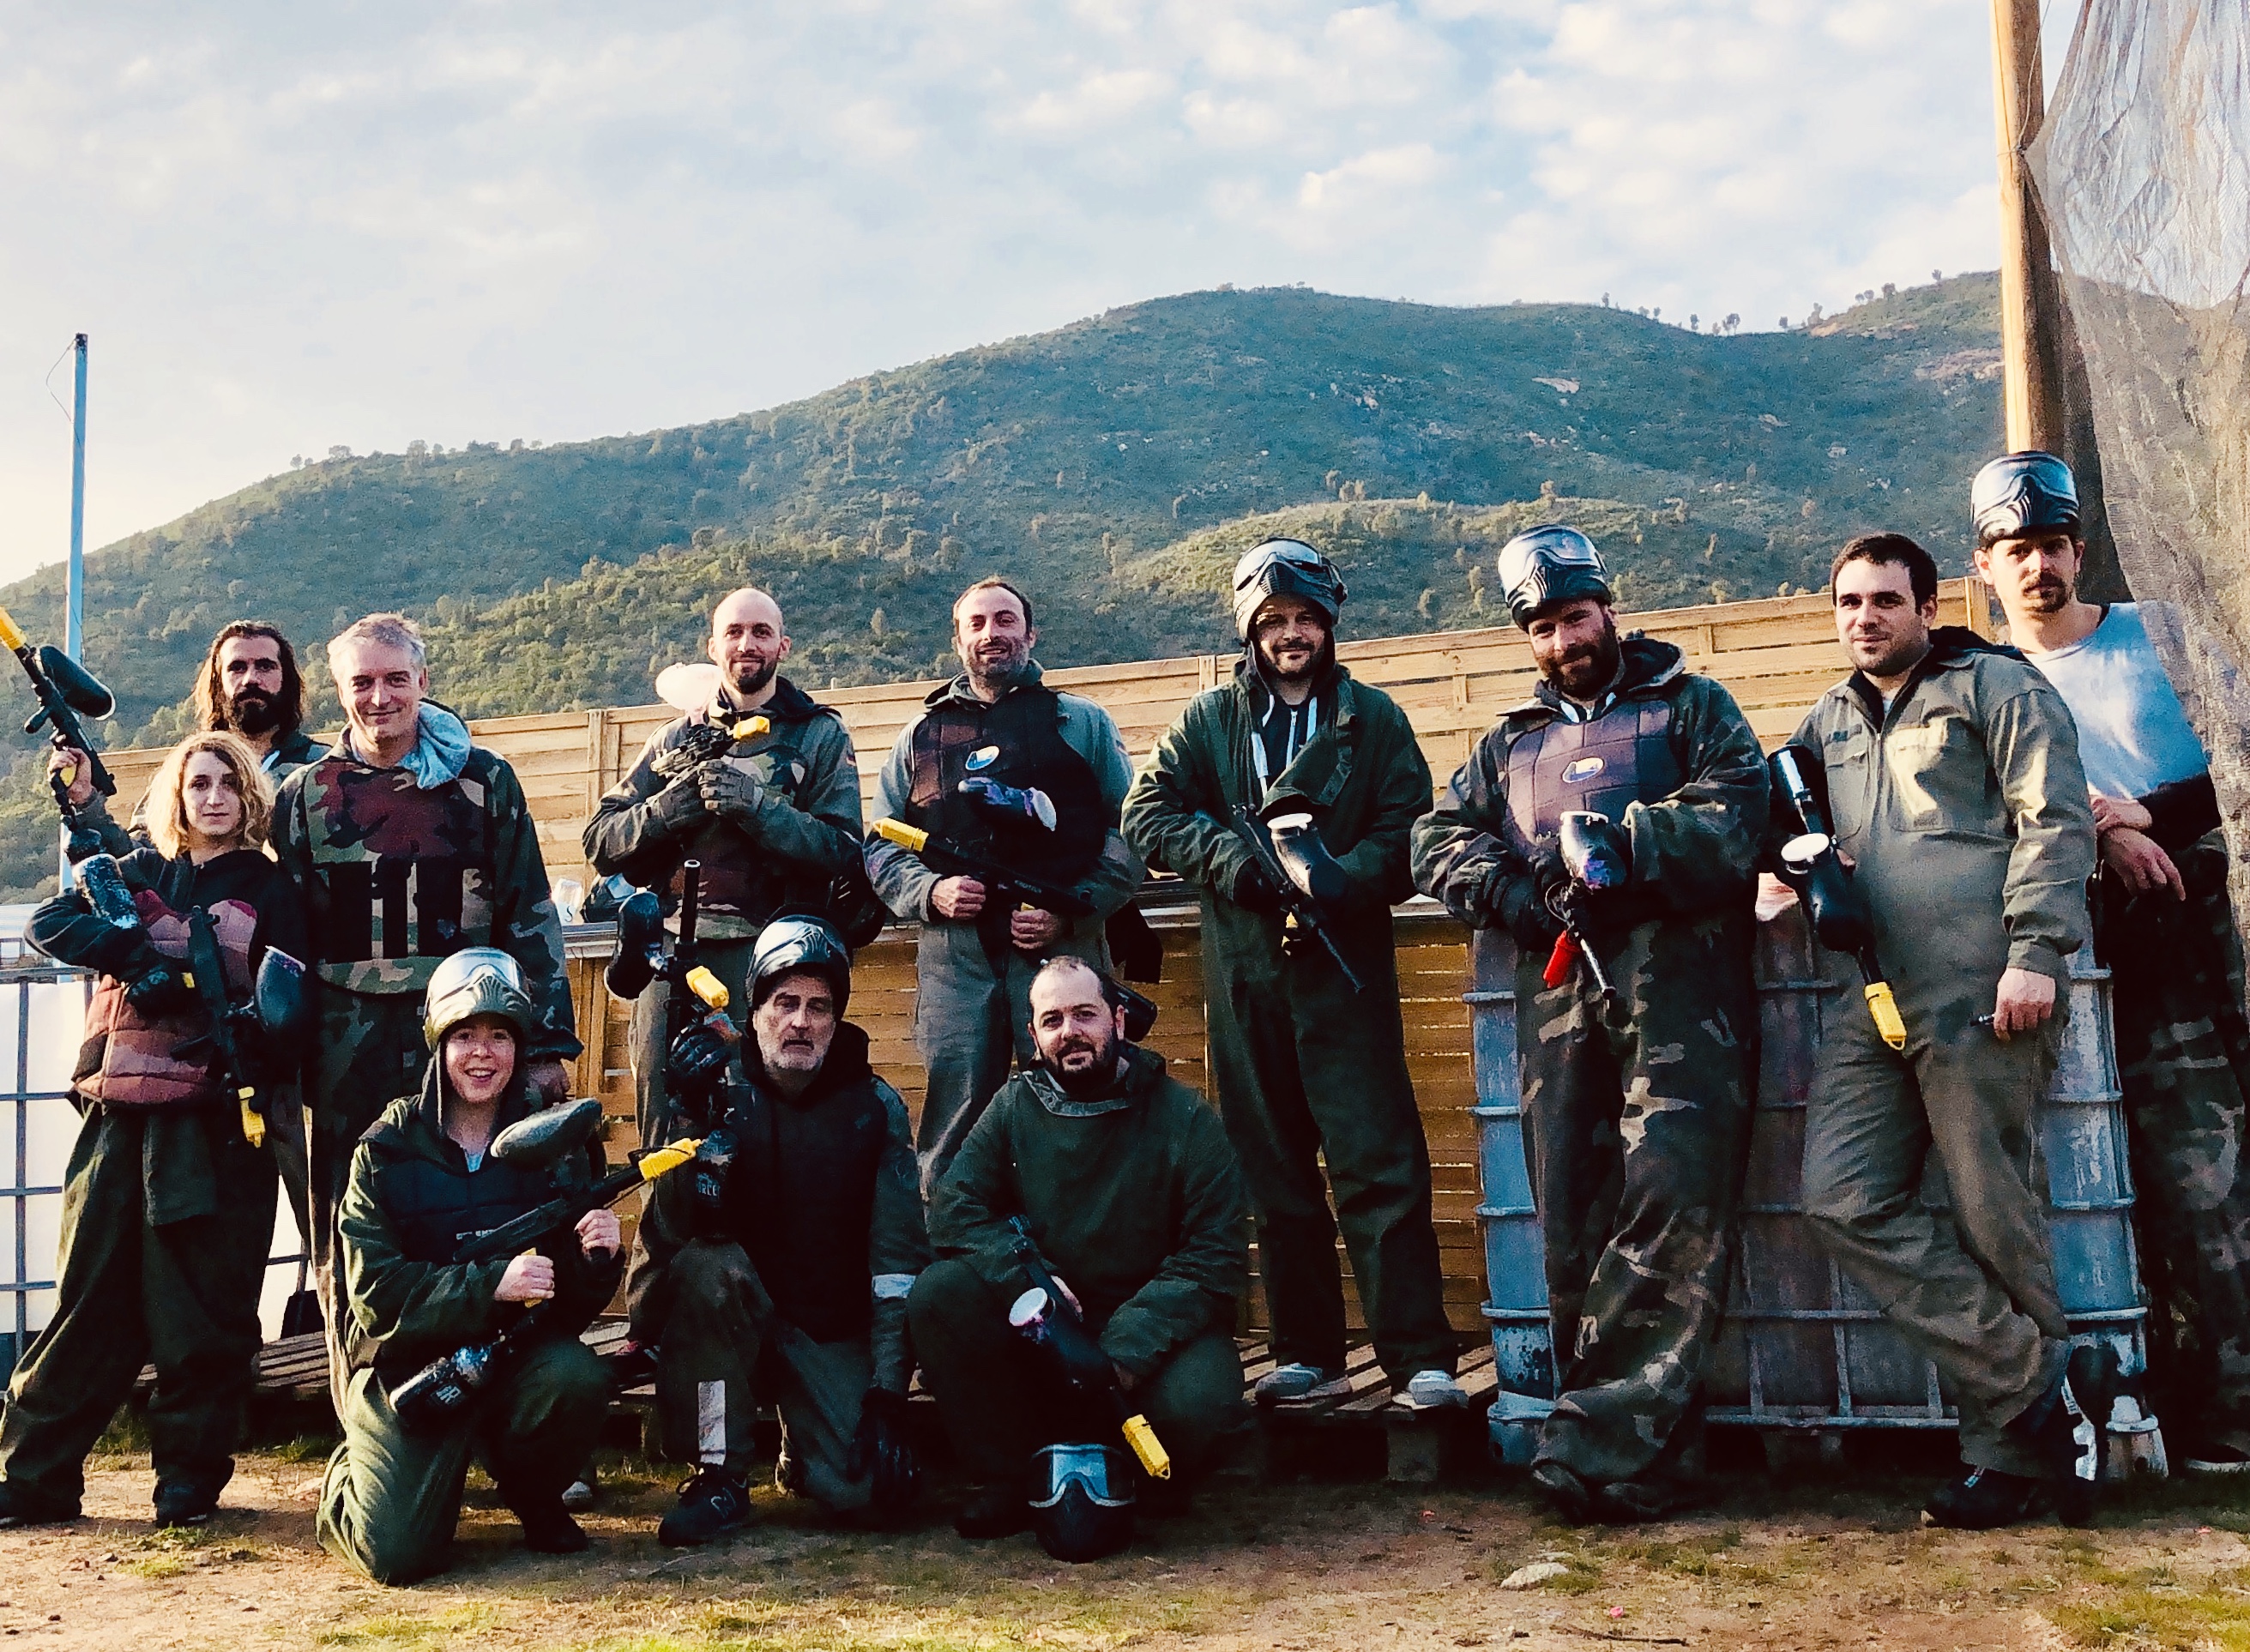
(773, 818)
(1956, 792)
(408, 843)
(1636, 1107)
(1306, 1067)
(783, 1259)
(422, 1177)
(1127, 1189)
(996, 732)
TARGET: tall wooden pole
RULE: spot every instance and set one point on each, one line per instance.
(2030, 300)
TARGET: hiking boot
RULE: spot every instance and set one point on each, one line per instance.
(2069, 1428)
(711, 1504)
(548, 1529)
(20, 1507)
(1982, 1500)
(1301, 1384)
(1566, 1492)
(2216, 1457)
(993, 1512)
(1430, 1391)
(184, 1503)
(1627, 1502)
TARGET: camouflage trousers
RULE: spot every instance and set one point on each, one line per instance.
(2183, 1056)
(371, 1052)
(1637, 1122)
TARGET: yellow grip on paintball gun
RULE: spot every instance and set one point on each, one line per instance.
(751, 728)
(11, 634)
(1147, 1447)
(655, 1162)
(1884, 1007)
(707, 986)
(898, 832)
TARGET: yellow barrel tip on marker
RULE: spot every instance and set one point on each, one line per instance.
(1147, 1447)
(1883, 1005)
(709, 987)
(912, 839)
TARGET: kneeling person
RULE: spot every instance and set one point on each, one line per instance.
(421, 1179)
(784, 1262)
(1131, 1199)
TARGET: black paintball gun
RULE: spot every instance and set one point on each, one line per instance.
(1005, 887)
(700, 742)
(642, 957)
(439, 1393)
(67, 692)
(1595, 857)
(1044, 1316)
(1811, 868)
(276, 1001)
(1289, 851)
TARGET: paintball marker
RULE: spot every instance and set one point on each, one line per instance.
(1290, 853)
(1008, 889)
(441, 1390)
(1594, 855)
(1045, 1318)
(101, 880)
(66, 691)
(700, 742)
(1812, 866)
(641, 957)
(276, 1002)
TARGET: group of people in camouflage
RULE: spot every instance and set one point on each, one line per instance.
(1060, 1240)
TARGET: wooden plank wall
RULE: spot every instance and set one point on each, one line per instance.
(1775, 655)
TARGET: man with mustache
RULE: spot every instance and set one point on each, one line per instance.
(2164, 927)
(1954, 789)
(1636, 1108)
(1133, 1200)
(998, 723)
(782, 1261)
(774, 819)
(1307, 1068)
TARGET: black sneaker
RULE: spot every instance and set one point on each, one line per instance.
(19, 1508)
(2073, 1436)
(184, 1504)
(711, 1504)
(1983, 1500)
(993, 1512)
(548, 1529)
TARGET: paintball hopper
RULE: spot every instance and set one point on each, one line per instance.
(1010, 803)
(1140, 1009)
(544, 1141)
(279, 997)
(1057, 1329)
(81, 690)
(688, 687)
(1595, 851)
(1297, 846)
(1082, 1501)
(640, 945)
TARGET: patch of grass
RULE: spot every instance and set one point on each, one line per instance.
(171, 1551)
(398, 1629)
(1585, 1575)
(1691, 1557)
(157, 1565)
(2176, 1618)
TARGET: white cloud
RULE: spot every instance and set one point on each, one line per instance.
(285, 227)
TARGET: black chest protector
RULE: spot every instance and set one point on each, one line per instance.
(801, 1199)
(739, 876)
(1018, 743)
(434, 1207)
(1624, 756)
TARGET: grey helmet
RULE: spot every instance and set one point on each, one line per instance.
(2020, 493)
(1082, 1502)
(1548, 564)
(790, 944)
(477, 980)
(1284, 568)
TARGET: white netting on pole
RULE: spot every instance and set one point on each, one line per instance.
(2144, 168)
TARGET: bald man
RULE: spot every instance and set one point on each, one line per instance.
(774, 819)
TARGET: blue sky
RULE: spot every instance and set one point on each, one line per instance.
(286, 227)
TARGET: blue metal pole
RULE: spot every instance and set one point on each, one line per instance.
(75, 622)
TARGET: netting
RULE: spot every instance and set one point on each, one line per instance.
(2144, 168)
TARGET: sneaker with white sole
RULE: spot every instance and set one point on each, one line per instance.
(581, 1493)
(1300, 1385)
(1430, 1391)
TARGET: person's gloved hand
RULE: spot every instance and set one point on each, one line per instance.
(1548, 870)
(694, 1067)
(1526, 917)
(731, 793)
(1253, 891)
(880, 1450)
(703, 1183)
(159, 990)
(679, 806)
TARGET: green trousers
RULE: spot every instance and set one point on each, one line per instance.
(1309, 1073)
(1971, 1284)
(181, 1294)
(725, 1348)
(2183, 1056)
(1001, 1404)
(1637, 1119)
(391, 1499)
(371, 1052)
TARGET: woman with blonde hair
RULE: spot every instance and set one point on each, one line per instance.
(168, 1207)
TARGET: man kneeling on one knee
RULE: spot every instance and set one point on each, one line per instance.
(1119, 1184)
(783, 1255)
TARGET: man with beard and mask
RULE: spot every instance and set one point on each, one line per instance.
(1637, 1109)
(784, 1265)
(1955, 792)
(2164, 927)
(1124, 1179)
(774, 819)
(997, 723)
(1305, 1068)
(407, 843)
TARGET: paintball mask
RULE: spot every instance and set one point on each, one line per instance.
(1082, 1501)
(1549, 564)
(2020, 493)
(1284, 568)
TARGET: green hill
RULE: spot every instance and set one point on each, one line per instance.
(1091, 462)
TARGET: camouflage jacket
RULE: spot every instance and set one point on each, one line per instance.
(396, 878)
(290, 752)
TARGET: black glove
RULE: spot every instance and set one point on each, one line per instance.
(691, 1071)
(1525, 914)
(1253, 891)
(880, 1450)
(159, 990)
(1548, 871)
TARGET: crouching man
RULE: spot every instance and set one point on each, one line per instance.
(783, 1260)
(1130, 1199)
(421, 1180)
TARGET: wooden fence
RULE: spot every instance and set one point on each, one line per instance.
(1775, 655)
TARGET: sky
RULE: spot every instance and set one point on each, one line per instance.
(287, 227)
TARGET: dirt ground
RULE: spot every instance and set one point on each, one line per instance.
(1830, 1559)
